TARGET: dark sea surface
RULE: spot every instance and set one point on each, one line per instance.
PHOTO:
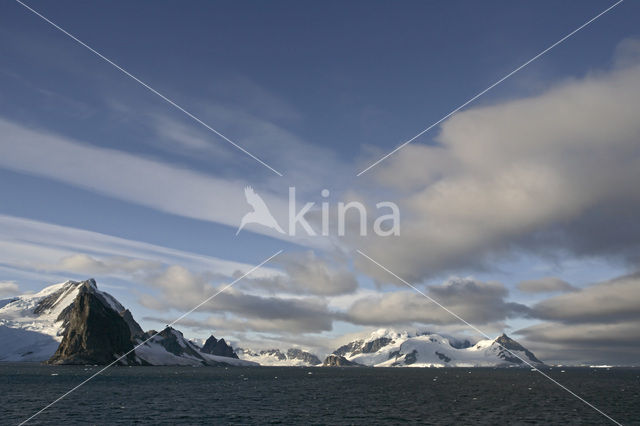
(275, 395)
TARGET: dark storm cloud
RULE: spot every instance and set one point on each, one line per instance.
(607, 302)
(599, 324)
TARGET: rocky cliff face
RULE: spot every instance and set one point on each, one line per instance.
(339, 361)
(362, 347)
(94, 333)
(214, 346)
(301, 355)
(507, 342)
(134, 328)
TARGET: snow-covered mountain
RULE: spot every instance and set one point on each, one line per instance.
(387, 348)
(170, 347)
(32, 326)
(293, 357)
(75, 323)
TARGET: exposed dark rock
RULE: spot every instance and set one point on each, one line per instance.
(134, 328)
(411, 357)
(303, 356)
(506, 342)
(443, 357)
(349, 348)
(214, 346)
(375, 345)
(95, 334)
(360, 347)
(339, 361)
(173, 341)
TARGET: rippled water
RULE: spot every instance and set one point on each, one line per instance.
(170, 395)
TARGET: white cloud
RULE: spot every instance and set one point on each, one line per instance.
(552, 172)
(34, 245)
(133, 178)
(8, 288)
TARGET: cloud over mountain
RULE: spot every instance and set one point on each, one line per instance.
(543, 174)
(477, 302)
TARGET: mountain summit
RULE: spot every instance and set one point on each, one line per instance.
(214, 346)
(75, 323)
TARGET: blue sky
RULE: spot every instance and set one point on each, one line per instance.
(319, 91)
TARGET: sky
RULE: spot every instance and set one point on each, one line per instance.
(518, 213)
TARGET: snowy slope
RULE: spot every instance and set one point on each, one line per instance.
(387, 348)
(275, 357)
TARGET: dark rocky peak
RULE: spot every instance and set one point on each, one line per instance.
(54, 299)
(375, 345)
(173, 341)
(168, 338)
(352, 347)
(310, 358)
(217, 347)
(339, 361)
(95, 333)
(507, 344)
(362, 347)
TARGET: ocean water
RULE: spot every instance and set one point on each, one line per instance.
(275, 395)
